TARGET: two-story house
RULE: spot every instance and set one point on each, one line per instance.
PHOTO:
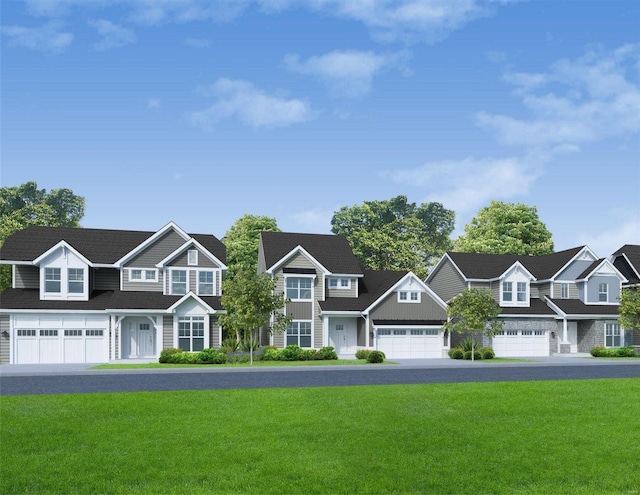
(94, 295)
(627, 261)
(335, 302)
(564, 302)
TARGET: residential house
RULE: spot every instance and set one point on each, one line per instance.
(335, 302)
(564, 302)
(627, 261)
(94, 295)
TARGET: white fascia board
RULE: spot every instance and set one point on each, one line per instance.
(9, 262)
(150, 241)
(633, 268)
(191, 243)
(517, 264)
(588, 317)
(187, 296)
(407, 326)
(297, 250)
(62, 244)
(445, 257)
(341, 313)
(606, 262)
(583, 250)
(426, 288)
(554, 307)
(52, 311)
(347, 275)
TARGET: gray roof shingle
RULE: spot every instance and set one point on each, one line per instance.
(577, 307)
(331, 251)
(632, 254)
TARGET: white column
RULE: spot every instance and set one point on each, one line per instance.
(325, 331)
(565, 331)
(112, 347)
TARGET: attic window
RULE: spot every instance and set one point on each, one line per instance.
(192, 257)
(339, 283)
(409, 296)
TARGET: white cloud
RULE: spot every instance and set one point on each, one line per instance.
(600, 99)
(466, 186)
(347, 73)
(113, 35)
(153, 104)
(625, 231)
(314, 220)
(250, 105)
(198, 42)
(47, 38)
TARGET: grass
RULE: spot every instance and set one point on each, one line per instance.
(256, 364)
(515, 437)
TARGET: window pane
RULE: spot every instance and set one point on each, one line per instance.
(344, 282)
(292, 339)
(305, 341)
(198, 344)
(184, 344)
(136, 274)
(305, 293)
(52, 286)
(150, 275)
(76, 287)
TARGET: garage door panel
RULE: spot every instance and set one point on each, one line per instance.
(95, 351)
(73, 350)
(49, 350)
(521, 343)
(410, 343)
(27, 351)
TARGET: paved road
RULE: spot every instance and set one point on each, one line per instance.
(199, 379)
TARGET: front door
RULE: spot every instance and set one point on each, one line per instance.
(572, 334)
(141, 339)
(342, 336)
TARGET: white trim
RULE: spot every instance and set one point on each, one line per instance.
(191, 243)
(144, 271)
(341, 313)
(192, 257)
(579, 253)
(609, 265)
(514, 266)
(297, 250)
(338, 281)
(631, 265)
(190, 295)
(424, 286)
(409, 293)
(213, 271)
(435, 269)
(63, 245)
(298, 276)
(169, 281)
(150, 240)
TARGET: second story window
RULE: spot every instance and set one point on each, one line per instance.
(178, 282)
(564, 291)
(298, 288)
(409, 296)
(339, 283)
(507, 291)
(522, 291)
(205, 283)
(192, 257)
(52, 280)
(142, 275)
(603, 292)
(76, 280)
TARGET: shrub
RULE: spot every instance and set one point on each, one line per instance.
(456, 353)
(271, 354)
(308, 354)
(487, 353)
(211, 356)
(247, 344)
(375, 357)
(600, 351)
(468, 343)
(230, 344)
(476, 355)
(625, 352)
(328, 353)
(166, 355)
(362, 353)
(238, 357)
(290, 353)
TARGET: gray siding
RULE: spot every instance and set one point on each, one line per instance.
(106, 279)
(574, 270)
(574, 293)
(214, 333)
(300, 310)
(26, 277)
(167, 332)
(157, 251)
(5, 342)
(352, 291)
(262, 264)
(542, 290)
(203, 261)
(142, 286)
(447, 282)
(613, 292)
(391, 309)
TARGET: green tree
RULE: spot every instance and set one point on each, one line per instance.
(473, 311)
(242, 241)
(629, 309)
(26, 205)
(506, 228)
(395, 234)
(251, 303)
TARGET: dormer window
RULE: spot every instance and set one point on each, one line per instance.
(52, 280)
(339, 283)
(76, 280)
(522, 291)
(507, 291)
(409, 296)
(603, 292)
(514, 292)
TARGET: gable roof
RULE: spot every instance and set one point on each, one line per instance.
(331, 251)
(485, 266)
(630, 253)
(576, 307)
(100, 246)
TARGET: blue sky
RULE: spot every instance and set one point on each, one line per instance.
(198, 112)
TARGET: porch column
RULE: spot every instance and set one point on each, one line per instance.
(565, 345)
(112, 347)
(325, 331)
(366, 330)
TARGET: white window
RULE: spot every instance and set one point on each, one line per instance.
(409, 296)
(191, 333)
(205, 283)
(192, 257)
(76, 280)
(564, 291)
(612, 335)
(299, 333)
(178, 282)
(339, 283)
(298, 288)
(143, 275)
(52, 280)
(603, 290)
(507, 291)
(522, 291)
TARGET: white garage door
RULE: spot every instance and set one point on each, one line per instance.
(521, 343)
(410, 343)
(47, 340)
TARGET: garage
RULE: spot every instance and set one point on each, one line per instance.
(521, 343)
(409, 343)
(53, 339)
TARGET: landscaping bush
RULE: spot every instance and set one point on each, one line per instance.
(230, 344)
(308, 354)
(626, 352)
(239, 357)
(247, 344)
(328, 353)
(600, 351)
(375, 357)
(477, 355)
(211, 356)
(456, 353)
(290, 353)
(271, 354)
(167, 354)
(487, 353)
(362, 353)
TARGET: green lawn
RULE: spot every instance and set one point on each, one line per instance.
(516, 437)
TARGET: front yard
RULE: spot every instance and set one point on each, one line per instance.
(516, 437)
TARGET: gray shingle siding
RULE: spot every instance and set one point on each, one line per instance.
(157, 251)
(447, 282)
(613, 288)
(5, 342)
(300, 310)
(391, 309)
(26, 277)
(141, 286)
(214, 333)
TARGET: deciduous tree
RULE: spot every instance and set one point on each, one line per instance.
(396, 234)
(506, 228)
(242, 241)
(629, 309)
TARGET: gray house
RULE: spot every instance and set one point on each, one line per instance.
(335, 302)
(94, 295)
(565, 302)
(627, 261)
